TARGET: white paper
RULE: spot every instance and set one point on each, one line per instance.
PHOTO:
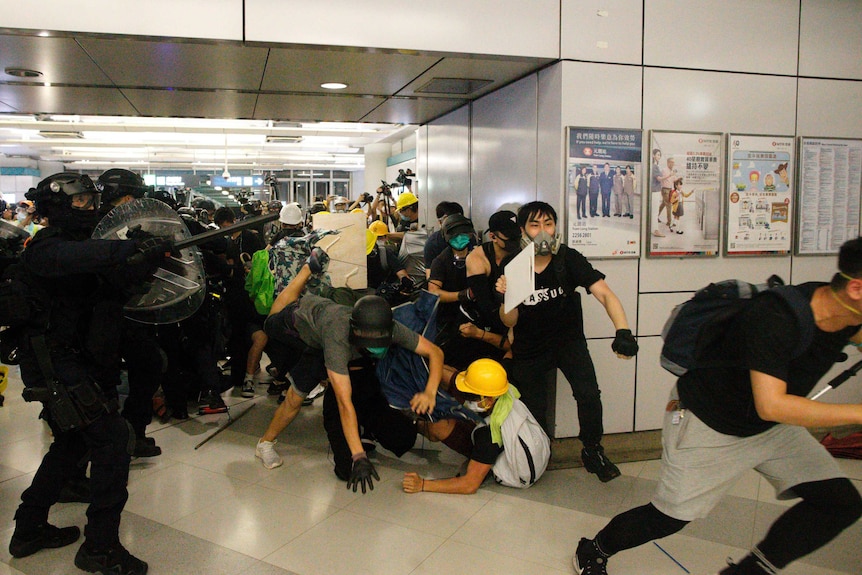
(520, 278)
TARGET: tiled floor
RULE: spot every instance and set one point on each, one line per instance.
(216, 510)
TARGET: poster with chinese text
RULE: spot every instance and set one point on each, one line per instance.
(684, 209)
(759, 190)
(603, 180)
(830, 185)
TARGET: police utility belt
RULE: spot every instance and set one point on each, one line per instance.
(72, 407)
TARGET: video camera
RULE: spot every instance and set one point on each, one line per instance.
(386, 189)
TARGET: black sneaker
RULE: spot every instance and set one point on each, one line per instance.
(588, 560)
(43, 537)
(146, 447)
(114, 560)
(212, 402)
(595, 461)
(275, 388)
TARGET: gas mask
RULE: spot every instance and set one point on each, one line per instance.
(544, 243)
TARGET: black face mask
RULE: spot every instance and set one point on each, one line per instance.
(511, 246)
(77, 223)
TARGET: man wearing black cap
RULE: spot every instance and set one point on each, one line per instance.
(343, 344)
(485, 265)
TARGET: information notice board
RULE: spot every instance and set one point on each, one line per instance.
(830, 186)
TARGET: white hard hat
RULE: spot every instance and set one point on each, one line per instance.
(290, 215)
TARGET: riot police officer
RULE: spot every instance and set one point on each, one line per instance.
(68, 268)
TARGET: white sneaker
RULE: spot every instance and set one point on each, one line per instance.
(265, 451)
(247, 388)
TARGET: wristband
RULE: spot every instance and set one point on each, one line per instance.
(853, 343)
(423, 485)
(483, 335)
(357, 456)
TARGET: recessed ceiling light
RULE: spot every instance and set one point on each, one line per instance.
(22, 72)
(333, 86)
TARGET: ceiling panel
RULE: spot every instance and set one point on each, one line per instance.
(500, 71)
(65, 100)
(314, 108)
(177, 64)
(412, 110)
(381, 74)
(192, 104)
(6, 109)
(61, 60)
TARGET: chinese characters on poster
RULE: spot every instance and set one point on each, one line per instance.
(759, 193)
(830, 186)
(603, 175)
(684, 194)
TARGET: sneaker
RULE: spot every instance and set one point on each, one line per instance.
(265, 451)
(114, 559)
(146, 447)
(595, 461)
(276, 388)
(315, 393)
(43, 537)
(212, 402)
(588, 560)
(247, 388)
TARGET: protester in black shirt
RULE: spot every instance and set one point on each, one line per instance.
(722, 422)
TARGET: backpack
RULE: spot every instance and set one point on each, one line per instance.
(697, 325)
(260, 282)
(412, 253)
(526, 449)
(21, 304)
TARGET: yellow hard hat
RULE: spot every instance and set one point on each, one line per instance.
(378, 228)
(370, 241)
(406, 199)
(356, 211)
(483, 377)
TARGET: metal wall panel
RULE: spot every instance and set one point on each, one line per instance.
(830, 108)
(602, 30)
(448, 163)
(831, 39)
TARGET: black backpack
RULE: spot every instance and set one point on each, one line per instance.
(695, 327)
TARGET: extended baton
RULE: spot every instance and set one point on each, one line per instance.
(840, 378)
(225, 231)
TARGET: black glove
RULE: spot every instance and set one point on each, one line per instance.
(466, 296)
(407, 285)
(361, 473)
(318, 261)
(151, 251)
(138, 234)
(625, 343)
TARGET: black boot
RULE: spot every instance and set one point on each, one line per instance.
(589, 560)
(595, 461)
(28, 541)
(114, 560)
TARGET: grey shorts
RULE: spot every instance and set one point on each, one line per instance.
(699, 464)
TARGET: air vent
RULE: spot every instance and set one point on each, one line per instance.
(286, 124)
(459, 86)
(56, 135)
(283, 139)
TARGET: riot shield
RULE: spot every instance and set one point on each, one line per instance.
(12, 239)
(178, 287)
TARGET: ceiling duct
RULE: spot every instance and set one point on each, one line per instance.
(58, 135)
(277, 124)
(283, 139)
(453, 86)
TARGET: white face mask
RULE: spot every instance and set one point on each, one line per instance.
(474, 407)
(22, 216)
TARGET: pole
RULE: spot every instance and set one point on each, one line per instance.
(225, 231)
(840, 378)
(226, 425)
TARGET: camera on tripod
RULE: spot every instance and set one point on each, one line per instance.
(386, 189)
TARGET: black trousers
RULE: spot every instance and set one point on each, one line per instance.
(146, 364)
(391, 429)
(572, 357)
(107, 444)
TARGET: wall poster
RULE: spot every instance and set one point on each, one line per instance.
(684, 213)
(603, 179)
(760, 204)
(830, 185)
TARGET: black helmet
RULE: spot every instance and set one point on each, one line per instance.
(117, 182)
(203, 203)
(274, 206)
(163, 196)
(53, 199)
(371, 322)
(456, 224)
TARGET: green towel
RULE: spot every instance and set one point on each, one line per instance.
(501, 411)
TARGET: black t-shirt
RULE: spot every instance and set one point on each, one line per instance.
(484, 450)
(376, 274)
(547, 315)
(453, 278)
(434, 246)
(764, 337)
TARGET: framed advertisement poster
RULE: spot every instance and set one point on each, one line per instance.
(684, 208)
(830, 186)
(603, 196)
(760, 195)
